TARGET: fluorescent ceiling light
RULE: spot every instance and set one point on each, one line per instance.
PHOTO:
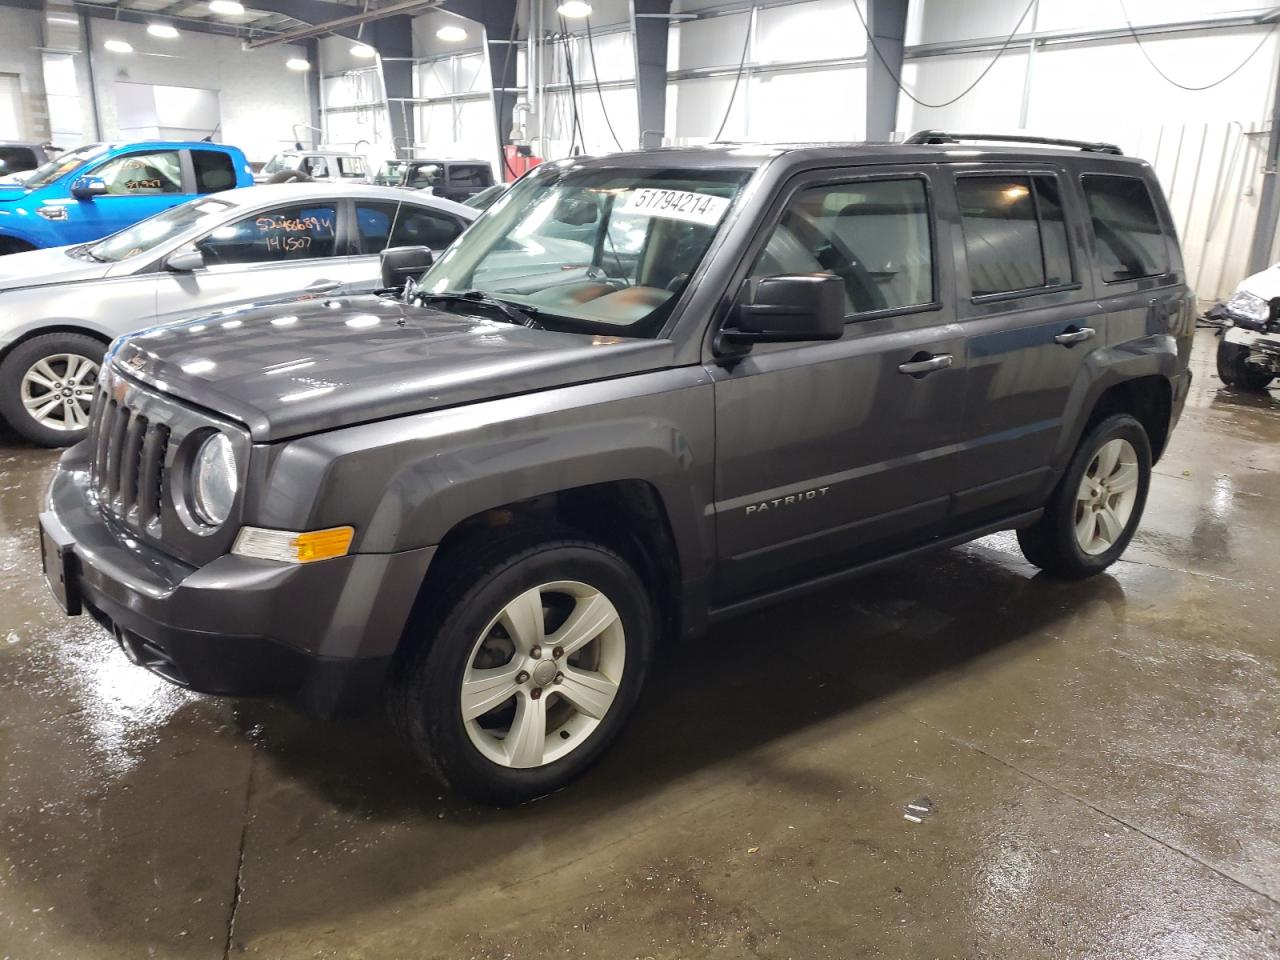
(165, 30)
(297, 63)
(574, 9)
(231, 8)
(363, 50)
(119, 46)
(68, 21)
(451, 34)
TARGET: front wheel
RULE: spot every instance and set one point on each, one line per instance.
(1234, 371)
(1095, 509)
(47, 384)
(527, 669)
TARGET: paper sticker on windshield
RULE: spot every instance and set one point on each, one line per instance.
(677, 205)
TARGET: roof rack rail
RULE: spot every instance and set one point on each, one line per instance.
(942, 136)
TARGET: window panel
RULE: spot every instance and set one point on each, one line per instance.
(873, 234)
(299, 231)
(418, 226)
(214, 171)
(1053, 231)
(1131, 243)
(1001, 237)
(142, 174)
(373, 226)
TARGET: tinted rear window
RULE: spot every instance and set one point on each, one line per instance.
(1015, 237)
(1131, 243)
(18, 158)
(470, 175)
(214, 171)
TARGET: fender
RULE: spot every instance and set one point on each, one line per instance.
(35, 239)
(405, 483)
(1154, 355)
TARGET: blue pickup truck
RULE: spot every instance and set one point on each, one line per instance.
(101, 188)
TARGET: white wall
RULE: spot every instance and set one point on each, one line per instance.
(260, 98)
(20, 42)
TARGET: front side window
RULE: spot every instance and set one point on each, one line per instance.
(315, 167)
(281, 162)
(299, 231)
(214, 171)
(1014, 233)
(873, 235)
(150, 233)
(142, 174)
(1131, 243)
(423, 175)
(596, 249)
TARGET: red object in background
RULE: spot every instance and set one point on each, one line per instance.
(517, 164)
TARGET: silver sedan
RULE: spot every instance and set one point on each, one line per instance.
(60, 307)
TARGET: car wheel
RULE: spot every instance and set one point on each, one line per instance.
(528, 667)
(47, 385)
(1235, 372)
(1093, 512)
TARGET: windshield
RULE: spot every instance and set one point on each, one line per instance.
(46, 173)
(592, 249)
(150, 233)
(282, 161)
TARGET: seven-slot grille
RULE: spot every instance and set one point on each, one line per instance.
(129, 461)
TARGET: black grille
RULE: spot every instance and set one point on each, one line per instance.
(129, 461)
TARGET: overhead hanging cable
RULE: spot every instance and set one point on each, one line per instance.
(897, 80)
(737, 78)
(576, 129)
(1185, 86)
(506, 64)
(595, 75)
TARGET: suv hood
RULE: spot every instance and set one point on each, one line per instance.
(308, 365)
(42, 268)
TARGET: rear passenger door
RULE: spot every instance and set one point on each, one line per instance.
(832, 453)
(1030, 321)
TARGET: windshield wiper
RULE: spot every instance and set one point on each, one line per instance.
(521, 316)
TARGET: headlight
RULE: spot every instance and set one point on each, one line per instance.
(213, 480)
(1249, 306)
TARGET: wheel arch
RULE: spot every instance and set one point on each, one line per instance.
(68, 326)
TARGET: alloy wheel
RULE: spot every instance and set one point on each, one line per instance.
(543, 674)
(1105, 499)
(57, 390)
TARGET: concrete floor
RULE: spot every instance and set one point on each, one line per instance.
(1103, 759)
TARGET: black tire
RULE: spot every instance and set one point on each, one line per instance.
(1234, 372)
(21, 359)
(1051, 543)
(423, 698)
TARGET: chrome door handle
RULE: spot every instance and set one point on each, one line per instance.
(917, 368)
(322, 286)
(1074, 336)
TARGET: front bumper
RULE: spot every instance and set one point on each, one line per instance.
(322, 633)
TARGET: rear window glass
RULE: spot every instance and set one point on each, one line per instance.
(214, 171)
(1015, 237)
(469, 175)
(351, 166)
(17, 159)
(1131, 243)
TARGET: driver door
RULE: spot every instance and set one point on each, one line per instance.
(139, 185)
(263, 255)
(831, 454)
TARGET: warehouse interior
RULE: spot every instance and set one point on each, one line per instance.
(959, 754)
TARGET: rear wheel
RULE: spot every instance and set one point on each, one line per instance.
(528, 667)
(1234, 371)
(47, 384)
(1091, 516)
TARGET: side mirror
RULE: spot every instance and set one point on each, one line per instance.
(185, 259)
(86, 188)
(788, 309)
(400, 264)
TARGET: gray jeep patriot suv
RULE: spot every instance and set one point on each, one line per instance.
(641, 393)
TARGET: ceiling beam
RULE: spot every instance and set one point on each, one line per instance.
(319, 17)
